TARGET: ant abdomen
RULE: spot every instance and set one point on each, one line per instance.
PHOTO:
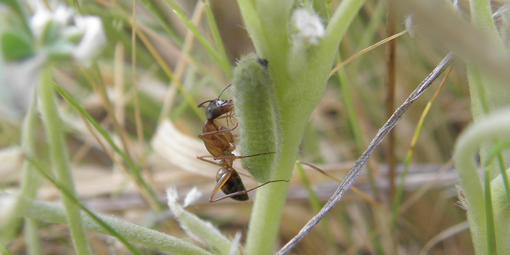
(234, 184)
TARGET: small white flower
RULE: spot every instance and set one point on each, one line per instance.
(71, 25)
(21, 77)
(63, 15)
(39, 20)
(309, 26)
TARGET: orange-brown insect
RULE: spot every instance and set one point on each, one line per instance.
(219, 141)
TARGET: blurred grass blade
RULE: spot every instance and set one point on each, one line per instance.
(162, 18)
(17, 8)
(220, 59)
(3, 250)
(313, 199)
(134, 169)
(75, 200)
(52, 213)
(315, 203)
(489, 214)
(59, 155)
(213, 26)
(496, 151)
(169, 73)
(397, 199)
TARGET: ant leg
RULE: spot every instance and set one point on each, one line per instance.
(209, 161)
(316, 168)
(228, 116)
(219, 185)
(247, 156)
(242, 192)
(360, 193)
(218, 131)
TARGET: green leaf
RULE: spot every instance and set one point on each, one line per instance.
(15, 47)
(50, 33)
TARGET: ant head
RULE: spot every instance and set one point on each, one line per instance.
(217, 107)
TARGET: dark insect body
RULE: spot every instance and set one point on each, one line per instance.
(219, 141)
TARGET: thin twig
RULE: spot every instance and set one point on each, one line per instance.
(365, 50)
(354, 173)
(391, 64)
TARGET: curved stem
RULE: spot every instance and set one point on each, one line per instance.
(494, 126)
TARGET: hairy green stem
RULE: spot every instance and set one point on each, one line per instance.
(30, 180)
(270, 200)
(29, 184)
(52, 213)
(32, 236)
(299, 78)
(60, 160)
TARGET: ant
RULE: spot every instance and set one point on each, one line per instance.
(219, 141)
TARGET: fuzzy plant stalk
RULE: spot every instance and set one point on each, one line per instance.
(299, 47)
(30, 180)
(60, 159)
(53, 213)
(29, 184)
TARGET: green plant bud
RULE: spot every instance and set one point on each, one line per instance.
(255, 108)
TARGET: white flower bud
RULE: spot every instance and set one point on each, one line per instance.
(309, 26)
(193, 195)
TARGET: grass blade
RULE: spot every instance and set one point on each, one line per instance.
(75, 200)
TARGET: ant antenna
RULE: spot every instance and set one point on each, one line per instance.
(223, 90)
(202, 104)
